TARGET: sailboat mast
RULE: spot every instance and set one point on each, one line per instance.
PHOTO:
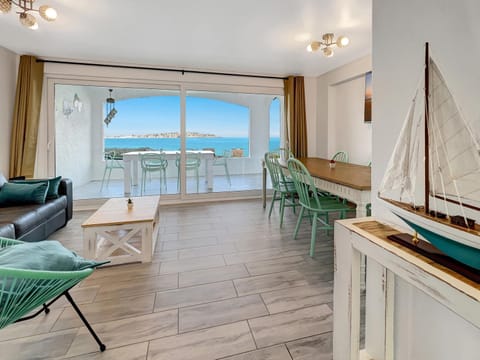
(427, 160)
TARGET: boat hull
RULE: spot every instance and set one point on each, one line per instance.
(459, 245)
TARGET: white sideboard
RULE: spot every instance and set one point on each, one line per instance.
(415, 308)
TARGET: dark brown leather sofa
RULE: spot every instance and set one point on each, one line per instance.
(36, 222)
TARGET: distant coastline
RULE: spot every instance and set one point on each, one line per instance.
(164, 135)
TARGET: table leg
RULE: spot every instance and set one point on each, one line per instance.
(135, 173)
(361, 210)
(127, 171)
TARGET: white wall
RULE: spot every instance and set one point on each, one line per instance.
(424, 329)
(346, 127)
(339, 114)
(8, 80)
(73, 156)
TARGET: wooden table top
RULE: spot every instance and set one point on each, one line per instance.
(351, 175)
(115, 211)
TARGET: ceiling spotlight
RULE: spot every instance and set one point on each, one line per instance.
(24, 12)
(327, 44)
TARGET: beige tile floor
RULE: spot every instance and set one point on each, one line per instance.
(225, 283)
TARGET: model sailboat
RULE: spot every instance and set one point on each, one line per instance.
(432, 181)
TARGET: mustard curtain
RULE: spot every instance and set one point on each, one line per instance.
(295, 113)
(23, 146)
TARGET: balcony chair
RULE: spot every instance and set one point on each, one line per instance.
(283, 189)
(192, 163)
(22, 290)
(153, 162)
(112, 161)
(316, 206)
(222, 161)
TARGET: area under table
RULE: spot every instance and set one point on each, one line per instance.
(123, 235)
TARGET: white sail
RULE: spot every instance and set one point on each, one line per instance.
(400, 176)
(454, 151)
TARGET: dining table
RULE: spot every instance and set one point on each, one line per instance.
(345, 180)
(131, 161)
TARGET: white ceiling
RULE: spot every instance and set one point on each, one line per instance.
(266, 37)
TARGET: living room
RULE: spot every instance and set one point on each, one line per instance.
(394, 54)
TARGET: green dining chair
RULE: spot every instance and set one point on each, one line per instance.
(313, 205)
(283, 189)
(341, 156)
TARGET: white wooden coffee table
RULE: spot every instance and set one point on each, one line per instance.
(122, 235)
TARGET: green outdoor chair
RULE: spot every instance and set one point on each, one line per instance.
(153, 162)
(22, 291)
(316, 206)
(192, 163)
(112, 161)
(283, 189)
(222, 161)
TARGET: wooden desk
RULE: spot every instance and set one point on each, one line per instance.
(348, 181)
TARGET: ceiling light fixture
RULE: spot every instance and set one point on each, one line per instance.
(327, 44)
(25, 7)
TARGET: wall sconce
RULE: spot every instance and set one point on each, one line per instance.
(77, 103)
(67, 108)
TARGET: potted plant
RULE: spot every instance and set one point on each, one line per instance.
(332, 164)
(129, 203)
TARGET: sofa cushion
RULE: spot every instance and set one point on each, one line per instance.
(7, 230)
(15, 194)
(45, 255)
(51, 207)
(53, 184)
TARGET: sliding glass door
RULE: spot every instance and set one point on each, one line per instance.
(103, 134)
(175, 141)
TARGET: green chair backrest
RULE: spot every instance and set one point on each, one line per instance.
(113, 160)
(192, 160)
(275, 170)
(307, 192)
(340, 156)
(153, 161)
(284, 153)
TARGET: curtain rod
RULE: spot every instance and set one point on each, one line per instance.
(183, 71)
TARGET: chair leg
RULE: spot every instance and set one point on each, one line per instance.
(103, 178)
(282, 208)
(299, 221)
(108, 177)
(273, 200)
(228, 174)
(198, 180)
(90, 329)
(314, 235)
(178, 180)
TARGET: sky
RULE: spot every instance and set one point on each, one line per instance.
(159, 114)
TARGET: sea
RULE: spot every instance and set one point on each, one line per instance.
(220, 144)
